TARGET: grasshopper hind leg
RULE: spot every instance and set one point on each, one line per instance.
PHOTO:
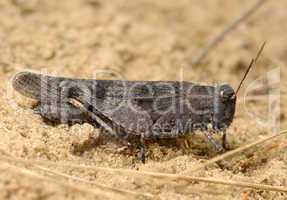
(53, 114)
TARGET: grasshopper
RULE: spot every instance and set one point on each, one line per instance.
(129, 109)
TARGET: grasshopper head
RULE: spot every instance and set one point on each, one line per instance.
(224, 106)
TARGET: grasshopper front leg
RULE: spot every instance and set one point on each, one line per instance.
(218, 147)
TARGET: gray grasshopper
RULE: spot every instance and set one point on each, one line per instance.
(134, 109)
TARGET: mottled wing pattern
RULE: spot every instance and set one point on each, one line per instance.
(154, 108)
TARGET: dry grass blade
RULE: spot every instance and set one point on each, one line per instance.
(101, 186)
(215, 181)
(170, 176)
(219, 38)
(134, 194)
(199, 191)
(166, 176)
(31, 174)
(236, 151)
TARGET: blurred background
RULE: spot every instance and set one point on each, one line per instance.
(142, 40)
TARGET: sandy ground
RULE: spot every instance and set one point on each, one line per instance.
(143, 40)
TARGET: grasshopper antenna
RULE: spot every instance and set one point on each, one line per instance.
(252, 63)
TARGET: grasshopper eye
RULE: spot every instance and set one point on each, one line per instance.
(226, 94)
